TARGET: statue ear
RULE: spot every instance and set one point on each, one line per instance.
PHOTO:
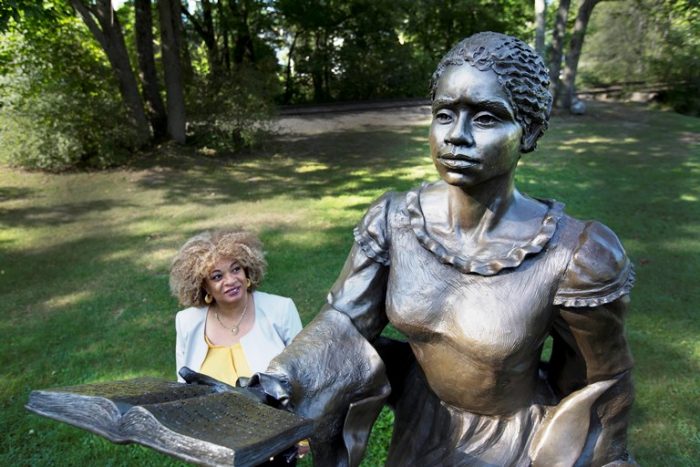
(529, 139)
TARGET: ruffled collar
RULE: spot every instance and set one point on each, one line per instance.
(472, 264)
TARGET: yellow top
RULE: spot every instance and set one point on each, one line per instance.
(225, 363)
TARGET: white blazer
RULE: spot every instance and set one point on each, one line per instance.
(276, 323)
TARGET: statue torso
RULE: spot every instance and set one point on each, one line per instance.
(478, 338)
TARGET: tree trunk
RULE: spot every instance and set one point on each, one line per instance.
(288, 90)
(109, 35)
(225, 30)
(317, 69)
(185, 56)
(169, 12)
(540, 8)
(575, 46)
(557, 53)
(210, 39)
(243, 43)
(206, 31)
(147, 67)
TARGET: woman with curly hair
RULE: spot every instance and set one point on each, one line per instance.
(230, 329)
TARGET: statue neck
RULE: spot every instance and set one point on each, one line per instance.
(481, 207)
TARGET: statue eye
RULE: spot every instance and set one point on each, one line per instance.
(443, 117)
(485, 119)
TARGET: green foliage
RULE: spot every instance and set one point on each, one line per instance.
(434, 27)
(231, 111)
(679, 62)
(647, 41)
(361, 49)
(14, 11)
(380, 439)
(372, 62)
(55, 109)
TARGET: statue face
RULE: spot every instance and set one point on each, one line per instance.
(473, 136)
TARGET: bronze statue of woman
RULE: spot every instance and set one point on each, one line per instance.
(476, 276)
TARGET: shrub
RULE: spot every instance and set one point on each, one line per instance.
(233, 111)
(55, 109)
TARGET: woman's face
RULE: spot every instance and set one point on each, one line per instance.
(473, 136)
(226, 281)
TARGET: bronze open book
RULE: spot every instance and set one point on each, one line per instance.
(190, 422)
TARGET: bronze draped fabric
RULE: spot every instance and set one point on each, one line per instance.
(472, 389)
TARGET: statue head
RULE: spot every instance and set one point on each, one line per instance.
(520, 72)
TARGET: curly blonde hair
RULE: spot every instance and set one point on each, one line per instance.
(198, 255)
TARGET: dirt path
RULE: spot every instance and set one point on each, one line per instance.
(318, 123)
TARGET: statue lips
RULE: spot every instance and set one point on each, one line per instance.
(458, 161)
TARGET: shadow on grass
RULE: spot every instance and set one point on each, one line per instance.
(57, 214)
(330, 164)
(14, 193)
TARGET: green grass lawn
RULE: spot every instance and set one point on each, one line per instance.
(84, 258)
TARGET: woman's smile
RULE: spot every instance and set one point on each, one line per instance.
(227, 281)
(233, 291)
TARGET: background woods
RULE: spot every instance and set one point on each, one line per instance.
(87, 82)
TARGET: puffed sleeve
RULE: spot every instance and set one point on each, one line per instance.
(590, 366)
(599, 271)
(331, 372)
(592, 297)
(371, 234)
(360, 290)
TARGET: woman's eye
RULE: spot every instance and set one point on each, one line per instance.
(485, 119)
(236, 269)
(216, 277)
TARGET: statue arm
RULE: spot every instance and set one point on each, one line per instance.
(330, 372)
(590, 367)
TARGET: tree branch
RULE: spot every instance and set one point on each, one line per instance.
(86, 13)
(197, 25)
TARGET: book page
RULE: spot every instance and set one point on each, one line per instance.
(98, 407)
(217, 429)
(128, 393)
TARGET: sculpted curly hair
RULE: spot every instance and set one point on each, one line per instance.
(520, 71)
(199, 254)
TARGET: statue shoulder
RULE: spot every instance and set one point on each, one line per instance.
(599, 270)
(373, 232)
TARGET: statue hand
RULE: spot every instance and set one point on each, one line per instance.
(192, 377)
(275, 389)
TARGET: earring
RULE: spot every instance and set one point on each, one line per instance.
(208, 299)
(248, 283)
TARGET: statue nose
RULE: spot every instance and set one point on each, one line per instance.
(460, 134)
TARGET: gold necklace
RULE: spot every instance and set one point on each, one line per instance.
(234, 330)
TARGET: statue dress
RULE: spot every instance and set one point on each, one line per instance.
(476, 276)
(472, 390)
